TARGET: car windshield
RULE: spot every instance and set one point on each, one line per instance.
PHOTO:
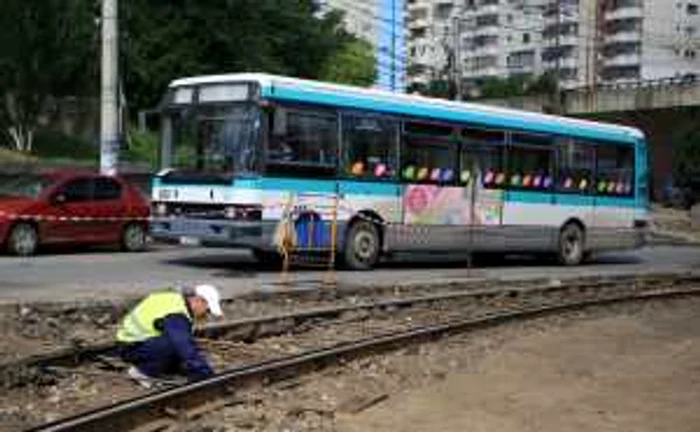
(24, 186)
(216, 139)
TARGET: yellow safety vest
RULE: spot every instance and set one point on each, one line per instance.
(139, 324)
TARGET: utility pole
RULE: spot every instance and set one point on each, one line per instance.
(557, 62)
(393, 45)
(456, 57)
(109, 104)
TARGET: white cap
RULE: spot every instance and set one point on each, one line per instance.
(211, 295)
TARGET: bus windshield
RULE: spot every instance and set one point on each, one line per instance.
(215, 139)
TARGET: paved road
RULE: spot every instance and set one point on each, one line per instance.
(76, 275)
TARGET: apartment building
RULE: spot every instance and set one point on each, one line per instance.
(649, 39)
(430, 40)
(586, 41)
(500, 38)
(380, 22)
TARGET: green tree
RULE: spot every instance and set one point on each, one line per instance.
(165, 39)
(47, 49)
(354, 63)
(544, 84)
(686, 155)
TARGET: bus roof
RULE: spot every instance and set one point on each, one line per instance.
(300, 90)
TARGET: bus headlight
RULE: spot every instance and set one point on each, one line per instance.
(230, 212)
(161, 209)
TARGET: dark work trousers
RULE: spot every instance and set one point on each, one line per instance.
(154, 357)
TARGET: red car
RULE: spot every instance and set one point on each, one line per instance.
(71, 208)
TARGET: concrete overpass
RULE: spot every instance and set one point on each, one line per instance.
(661, 108)
(644, 95)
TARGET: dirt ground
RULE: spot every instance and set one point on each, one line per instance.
(673, 223)
(637, 372)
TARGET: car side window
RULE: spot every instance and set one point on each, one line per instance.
(77, 190)
(107, 189)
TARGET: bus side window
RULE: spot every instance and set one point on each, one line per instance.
(482, 158)
(576, 167)
(429, 154)
(303, 142)
(530, 162)
(370, 147)
(615, 170)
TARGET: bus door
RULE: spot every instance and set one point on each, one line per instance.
(482, 179)
(575, 184)
(435, 208)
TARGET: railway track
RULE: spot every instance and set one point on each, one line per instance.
(326, 306)
(327, 335)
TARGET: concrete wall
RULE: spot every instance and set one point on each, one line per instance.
(649, 95)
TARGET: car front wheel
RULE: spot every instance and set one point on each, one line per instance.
(23, 240)
(133, 238)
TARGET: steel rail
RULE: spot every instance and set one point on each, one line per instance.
(175, 403)
(270, 325)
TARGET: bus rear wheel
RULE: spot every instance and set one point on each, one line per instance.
(362, 246)
(571, 245)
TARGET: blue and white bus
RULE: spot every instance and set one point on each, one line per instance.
(406, 173)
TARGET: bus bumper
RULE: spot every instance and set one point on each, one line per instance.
(207, 232)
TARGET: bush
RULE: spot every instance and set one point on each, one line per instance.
(55, 145)
(143, 147)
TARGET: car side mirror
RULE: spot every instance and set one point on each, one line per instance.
(58, 199)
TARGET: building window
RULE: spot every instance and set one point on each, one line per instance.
(526, 38)
(370, 145)
(521, 59)
(429, 154)
(486, 20)
(692, 9)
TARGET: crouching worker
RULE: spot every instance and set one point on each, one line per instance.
(157, 336)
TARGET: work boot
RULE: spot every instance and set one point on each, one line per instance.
(141, 378)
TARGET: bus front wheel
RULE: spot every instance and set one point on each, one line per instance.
(571, 245)
(361, 251)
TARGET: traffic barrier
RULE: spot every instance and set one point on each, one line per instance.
(306, 236)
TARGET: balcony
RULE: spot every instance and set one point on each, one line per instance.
(492, 71)
(485, 50)
(622, 37)
(623, 60)
(418, 23)
(418, 5)
(564, 63)
(489, 9)
(492, 30)
(564, 40)
(521, 68)
(625, 12)
(566, 18)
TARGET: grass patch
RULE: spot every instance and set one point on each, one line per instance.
(8, 156)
